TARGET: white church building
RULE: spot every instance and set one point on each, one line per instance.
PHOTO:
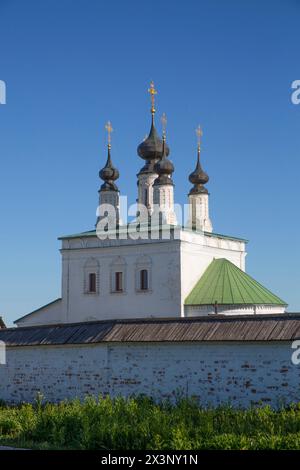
(155, 306)
(174, 271)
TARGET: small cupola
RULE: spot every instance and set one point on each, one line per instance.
(164, 167)
(198, 177)
(109, 174)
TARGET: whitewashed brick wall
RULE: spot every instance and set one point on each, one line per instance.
(214, 373)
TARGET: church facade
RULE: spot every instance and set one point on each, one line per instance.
(154, 267)
(155, 307)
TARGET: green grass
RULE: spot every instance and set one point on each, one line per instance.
(139, 423)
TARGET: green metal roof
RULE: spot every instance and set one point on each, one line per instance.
(226, 284)
(227, 237)
(90, 233)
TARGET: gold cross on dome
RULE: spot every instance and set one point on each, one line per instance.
(164, 123)
(109, 129)
(199, 134)
(152, 92)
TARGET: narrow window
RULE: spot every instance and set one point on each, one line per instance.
(118, 281)
(92, 282)
(146, 198)
(144, 279)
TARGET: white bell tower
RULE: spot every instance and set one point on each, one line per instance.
(149, 150)
(109, 195)
(163, 187)
(198, 196)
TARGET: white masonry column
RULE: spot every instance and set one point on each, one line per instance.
(107, 199)
(163, 197)
(199, 212)
(163, 188)
(145, 190)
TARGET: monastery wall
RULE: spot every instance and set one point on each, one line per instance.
(217, 373)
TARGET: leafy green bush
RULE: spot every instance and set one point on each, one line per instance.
(9, 426)
(140, 423)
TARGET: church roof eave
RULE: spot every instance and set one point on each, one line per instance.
(92, 233)
(37, 310)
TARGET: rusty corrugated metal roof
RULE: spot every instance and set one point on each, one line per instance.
(285, 327)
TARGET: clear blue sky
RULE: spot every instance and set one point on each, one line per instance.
(70, 65)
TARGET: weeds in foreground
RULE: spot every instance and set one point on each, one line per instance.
(139, 423)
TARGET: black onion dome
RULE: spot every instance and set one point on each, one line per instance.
(109, 174)
(164, 168)
(152, 147)
(198, 178)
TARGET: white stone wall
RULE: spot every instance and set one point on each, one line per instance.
(218, 373)
(162, 298)
(175, 265)
(204, 310)
(47, 315)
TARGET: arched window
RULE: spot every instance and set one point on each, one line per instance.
(119, 281)
(92, 282)
(144, 281)
(146, 197)
(118, 275)
(143, 276)
(91, 276)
